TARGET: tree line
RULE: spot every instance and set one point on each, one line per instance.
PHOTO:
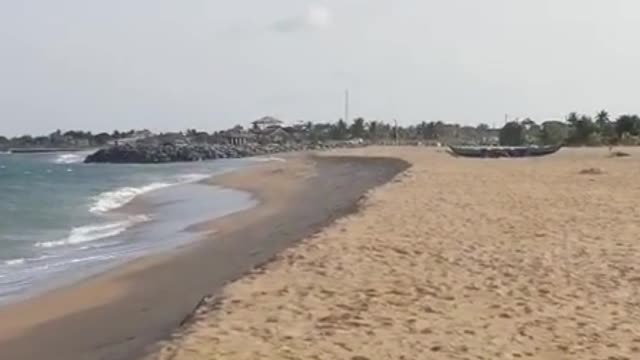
(375, 130)
(68, 139)
(575, 130)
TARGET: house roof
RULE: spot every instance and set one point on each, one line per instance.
(267, 120)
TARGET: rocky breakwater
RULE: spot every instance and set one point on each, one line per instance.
(143, 153)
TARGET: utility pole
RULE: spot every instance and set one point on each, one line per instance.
(395, 130)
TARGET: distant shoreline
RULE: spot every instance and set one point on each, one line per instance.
(44, 150)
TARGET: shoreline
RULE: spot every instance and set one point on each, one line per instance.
(144, 301)
(45, 150)
(123, 222)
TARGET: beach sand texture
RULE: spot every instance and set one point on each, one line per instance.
(454, 259)
(119, 314)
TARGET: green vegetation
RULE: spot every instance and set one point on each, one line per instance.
(513, 134)
(576, 130)
(70, 139)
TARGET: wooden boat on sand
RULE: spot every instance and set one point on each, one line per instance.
(503, 151)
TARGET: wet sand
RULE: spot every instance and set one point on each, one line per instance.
(119, 314)
(455, 259)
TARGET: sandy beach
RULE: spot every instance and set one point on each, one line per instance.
(120, 314)
(454, 259)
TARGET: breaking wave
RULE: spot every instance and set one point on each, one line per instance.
(69, 158)
(14, 262)
(269, 158)
(111, 200)
(84, 234)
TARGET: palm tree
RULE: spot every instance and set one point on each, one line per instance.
(602, 119)
(606, 128)
(573, 119)
(373, 130)
(357, 128)
(339, 131)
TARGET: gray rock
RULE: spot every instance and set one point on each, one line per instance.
(150, 152)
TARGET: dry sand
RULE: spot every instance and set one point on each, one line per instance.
(455, 259)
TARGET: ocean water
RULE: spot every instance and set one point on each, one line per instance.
(61, 219)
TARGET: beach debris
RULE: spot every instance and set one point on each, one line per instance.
(591, 171)
(615, 154)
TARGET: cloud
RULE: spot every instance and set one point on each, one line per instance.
(316, 17)
(319, 16)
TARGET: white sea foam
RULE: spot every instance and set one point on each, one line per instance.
(191, 178)
(112, 200)
(22, 261)
(269, 158)
(14, 262)
(69, 159)
(84, 234)
(92, 258)
(65, 263)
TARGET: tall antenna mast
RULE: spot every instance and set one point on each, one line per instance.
(346, 106)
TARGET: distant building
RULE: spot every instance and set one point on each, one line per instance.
(266, 122)
(237, 137)
(81, 142)
(173, 138)
(142, 134)
(277, 135)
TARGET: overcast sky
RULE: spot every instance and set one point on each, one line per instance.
(210, 64)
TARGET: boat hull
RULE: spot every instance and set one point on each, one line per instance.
(500, 151)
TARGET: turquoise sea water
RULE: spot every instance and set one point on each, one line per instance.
(61, 219)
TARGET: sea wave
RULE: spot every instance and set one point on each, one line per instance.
(111, 200)
(269, 158)
(191, 178)
(22, 261)
(69, 158)
(92, 258)
(14, 262)
(84, 234)
(66, 262)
